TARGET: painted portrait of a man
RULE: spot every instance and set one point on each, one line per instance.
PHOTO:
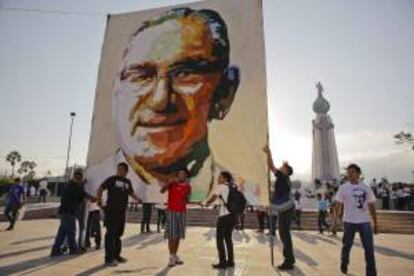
(174, 80)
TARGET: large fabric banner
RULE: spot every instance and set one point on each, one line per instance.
(183, 86)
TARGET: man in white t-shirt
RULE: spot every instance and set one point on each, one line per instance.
(358, 201)
(225, 222)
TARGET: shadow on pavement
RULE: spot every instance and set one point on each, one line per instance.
(33, 240)
(241, 236)
(134, 271)
(299, 255)
(390, 252)
(163, 272)
(210, 234)
(227, 272)
(295, 272)
(15, 253)
(141, 238)
(36, 264)
(150, 241)
(92, 270)
(313, 238)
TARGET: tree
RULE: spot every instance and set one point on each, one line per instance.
(32, 165)
(404, 138)
(13, 158)
(27, 169)
(24, 167)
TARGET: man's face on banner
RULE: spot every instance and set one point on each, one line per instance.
(164, 93)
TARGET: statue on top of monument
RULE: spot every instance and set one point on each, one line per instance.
(319, 87)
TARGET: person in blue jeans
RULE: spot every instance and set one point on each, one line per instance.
(15, 199)
(322, 212)
(358, 202)
(72, 198)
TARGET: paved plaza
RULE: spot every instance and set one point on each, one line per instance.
(25, 251)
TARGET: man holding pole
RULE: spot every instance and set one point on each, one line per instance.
(285, 206)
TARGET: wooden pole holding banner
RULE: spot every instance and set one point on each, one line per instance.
(269, 209)
(270, 220)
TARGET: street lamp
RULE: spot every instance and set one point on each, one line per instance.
(72, 117)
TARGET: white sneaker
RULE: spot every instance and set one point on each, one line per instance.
(178, 261)
(172, 261)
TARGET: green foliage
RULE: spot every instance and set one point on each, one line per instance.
(404, 138)
(13, 158)
(5, 181)
(26, 167)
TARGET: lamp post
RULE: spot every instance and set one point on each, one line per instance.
(72, 117)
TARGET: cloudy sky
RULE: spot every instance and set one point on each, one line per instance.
(360, 50)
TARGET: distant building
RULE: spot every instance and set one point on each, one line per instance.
(325, 165)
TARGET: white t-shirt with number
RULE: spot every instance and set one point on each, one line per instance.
(355, 198)
(223, 191)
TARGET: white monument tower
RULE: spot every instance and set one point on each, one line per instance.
(325, 165)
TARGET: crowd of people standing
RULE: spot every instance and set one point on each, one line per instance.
(393, 196)
(353, 198)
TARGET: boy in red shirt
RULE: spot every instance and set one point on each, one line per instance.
(179, 192)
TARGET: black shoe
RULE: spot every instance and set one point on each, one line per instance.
(121, 260)
(344, 268)
(219, 266)
(230, 264)
(55, 254)
(111, 263)
(10, 228)
(285, 266)
(98, 246)
(65, 249)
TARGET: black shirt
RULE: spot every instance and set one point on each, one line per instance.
(282, 185)
(119, 188)
(72, 197)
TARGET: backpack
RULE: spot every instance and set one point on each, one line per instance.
(236, 202)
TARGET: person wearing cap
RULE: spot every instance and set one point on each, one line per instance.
(358, 202)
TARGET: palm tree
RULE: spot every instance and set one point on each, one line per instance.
(32, 165)
(404, 138)
(13, 158)
(24, 167)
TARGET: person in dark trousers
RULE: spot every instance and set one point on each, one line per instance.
(82, 218)
(161, 216)
(281, 192)
(322, 212)
(225, 222)
(261, 215)
(298, 211)
(93, 226)
(15, 200)
(271, 222)
(146, 217)
(385, 197)
(118, 189)
(358, 202)
(43, 190)
(72, 197)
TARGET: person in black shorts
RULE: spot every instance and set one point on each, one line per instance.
(118, 188)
